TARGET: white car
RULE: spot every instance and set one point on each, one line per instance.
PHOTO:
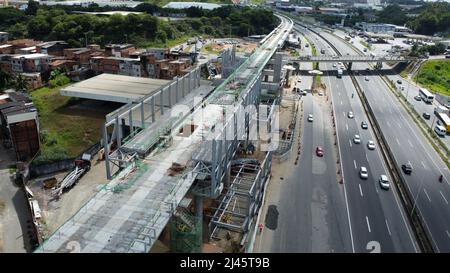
(371, 145)
(363, 173)
(366, 78)
(356, 139)
(334, 65)
(384, 182)
(350, 114)
(310, 117)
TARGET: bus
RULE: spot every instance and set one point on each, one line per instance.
(444, 120)
(426, 95)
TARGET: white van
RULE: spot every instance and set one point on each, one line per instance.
(440, 130)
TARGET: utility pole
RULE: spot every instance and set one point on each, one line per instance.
(85, 38)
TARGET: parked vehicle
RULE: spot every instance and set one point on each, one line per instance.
(426, 115)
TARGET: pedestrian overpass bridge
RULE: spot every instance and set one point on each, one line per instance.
(354, 59)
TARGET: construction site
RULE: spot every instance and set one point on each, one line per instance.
(187, 162)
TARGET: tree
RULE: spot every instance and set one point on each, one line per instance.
(161, 36)
(20, 83)
(392, 14)
(5, 80)
(32, 8)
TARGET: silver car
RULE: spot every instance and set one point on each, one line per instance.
(356, 139)
(384, 182)
(363, 173)
(310, 117)
(371, 145)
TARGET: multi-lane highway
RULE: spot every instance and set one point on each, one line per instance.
(307, 195)
(409, 145)
(377, 219)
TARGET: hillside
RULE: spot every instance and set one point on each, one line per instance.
(435, 75)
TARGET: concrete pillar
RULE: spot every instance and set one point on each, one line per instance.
(349, 67)
(278, 64)
(170, 95)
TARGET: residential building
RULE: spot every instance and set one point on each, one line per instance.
(31, 63)
(6, 49)
(54, 48)
(19, 125)
(81, 55)
(4, 37)
(34, 80)
(22, 43)
(119, 50)
(26, 50)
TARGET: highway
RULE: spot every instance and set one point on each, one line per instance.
(409, 145)
(378, 222)
(310, 201)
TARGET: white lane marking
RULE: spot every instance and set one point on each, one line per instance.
(426, 193)
(445, 199)
(344, 182)
(388, 124)
(368, 224)
(350, 141)
(400, 126)
(341, 102)
(387, 225)
(346, 126)
(354, 162)
(448, 234)
(339, 93)
(410, 144)
(360, 190)
(398, 142)
(423, 164)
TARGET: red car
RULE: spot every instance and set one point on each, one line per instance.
(319, 151)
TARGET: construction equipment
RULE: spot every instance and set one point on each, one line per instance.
(81, 167)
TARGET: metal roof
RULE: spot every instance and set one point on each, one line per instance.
(116, 88)
(186, 5)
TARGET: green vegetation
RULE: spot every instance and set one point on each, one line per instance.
(435, 18)
(59, 23)
(392, 14)
(435, 75)
(64, 131)
(365, 44)
(432, 18)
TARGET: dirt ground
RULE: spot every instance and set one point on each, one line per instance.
(242, 46)
(56, 212)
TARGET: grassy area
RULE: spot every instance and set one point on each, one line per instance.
(365, 44)
(435, 75)
(209, 49)
(65, 130)
(168, 43)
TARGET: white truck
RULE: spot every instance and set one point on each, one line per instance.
(441, 109)
(339, 73)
